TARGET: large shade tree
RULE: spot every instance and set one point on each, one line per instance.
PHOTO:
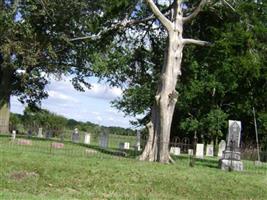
(129, 28)
(33, 46)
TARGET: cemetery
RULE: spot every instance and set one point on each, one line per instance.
(133, 100)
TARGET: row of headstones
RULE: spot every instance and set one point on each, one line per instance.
(103, 141)
(200, 150)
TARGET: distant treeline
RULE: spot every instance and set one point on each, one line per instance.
(33, 119)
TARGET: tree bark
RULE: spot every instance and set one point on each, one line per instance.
(5, 81)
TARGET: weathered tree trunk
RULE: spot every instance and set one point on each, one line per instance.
(157, 147)
(5, 78)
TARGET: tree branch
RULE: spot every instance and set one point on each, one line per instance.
(195, 12)
(124, 23)
(164, 20)
(197, 42)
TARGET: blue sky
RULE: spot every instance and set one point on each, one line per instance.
(92, 105)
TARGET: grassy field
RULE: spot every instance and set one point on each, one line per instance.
(26, 173)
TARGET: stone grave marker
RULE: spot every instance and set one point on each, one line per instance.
(29, 133)
(124, 145)
(175, 151)
(87, 138)
(24, 142)
(209, 150)
(40, 133)
(75, 136)
(103, 142)
(231, 159)
(57, 145)
(200, 150)
(13, 134)
(138, 141)
(62, 137)
(48, 135)
(222, 146)
(190, 152)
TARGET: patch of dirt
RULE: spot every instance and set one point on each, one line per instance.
(19, 175)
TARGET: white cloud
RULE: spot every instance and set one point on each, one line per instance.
(103, 91)
(60, 96)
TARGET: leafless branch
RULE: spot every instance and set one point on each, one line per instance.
(195, 12)
(229, 5)
(197, 42)
(162, 18)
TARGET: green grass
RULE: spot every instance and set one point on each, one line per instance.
(52, 175)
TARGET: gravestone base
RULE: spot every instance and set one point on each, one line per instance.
(234, 165)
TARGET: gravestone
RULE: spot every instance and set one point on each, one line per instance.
(87, 138)
(190, 152)
(209, 150)
(75, 137)
(138, 141)
(13, 135)
(24, 142)
(57, 145)
(124, 145)
(62, 137)
(103, 142)
(175, 151)
(40, 133)
(231, 159)
(200, 151)
(222, 146)
(29, 133)
(48, 135)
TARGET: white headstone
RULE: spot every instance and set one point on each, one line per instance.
(138, 141)
(200, 151)
(190, 152)
(209, 150)
(175, 151)
(222, 146)
(40, 133)
(126, 145)
(87, 138)
(13, 135)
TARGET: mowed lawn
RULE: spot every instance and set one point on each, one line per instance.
(28, 174)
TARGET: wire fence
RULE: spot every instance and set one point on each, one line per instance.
(105, 145)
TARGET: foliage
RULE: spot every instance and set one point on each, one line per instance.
(34, 118)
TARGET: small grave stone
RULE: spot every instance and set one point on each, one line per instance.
(90, 151)
(57, 145)
(209, 150)
(138, 141)
(222, 146)
(29, 133)
(121, 145)
(175, 151)
(231, 159)
(62, 137)
(190, 152)
(13, 135)
(126, 145)
(103, 143)
(200, 151)
(40, 133)
(87, 138)
(75, 136)
(24, 142)
(48, 135)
